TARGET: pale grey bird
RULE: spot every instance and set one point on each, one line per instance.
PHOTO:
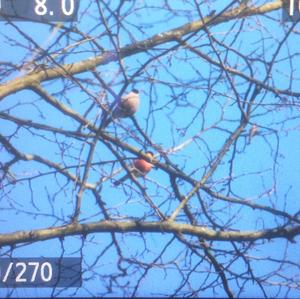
(124, 106)
(253, 132)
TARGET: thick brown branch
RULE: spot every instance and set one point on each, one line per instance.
(158, 39)
(146, 227)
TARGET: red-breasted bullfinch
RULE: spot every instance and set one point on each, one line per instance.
(139, 168)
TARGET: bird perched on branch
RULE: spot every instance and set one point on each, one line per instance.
(124, 106)
(253, 132)
(139, 168)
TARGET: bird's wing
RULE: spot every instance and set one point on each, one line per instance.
(126, 176)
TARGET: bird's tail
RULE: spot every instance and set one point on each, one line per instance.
(106, 120)
(121, 180)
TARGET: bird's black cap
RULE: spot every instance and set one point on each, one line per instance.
(149, 152)
(135, 90)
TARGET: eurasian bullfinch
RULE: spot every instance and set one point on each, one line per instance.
(123, 107)
(139, 168)
(253, 132)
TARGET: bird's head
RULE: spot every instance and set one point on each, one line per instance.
(150, 154)
(135, 91)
